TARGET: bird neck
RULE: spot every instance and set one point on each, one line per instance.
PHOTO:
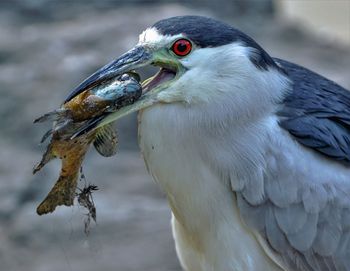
(196, 164)
(174, 137)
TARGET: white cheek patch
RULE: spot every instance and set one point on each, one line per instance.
(152, 37)
(226, 71)
(216, 56)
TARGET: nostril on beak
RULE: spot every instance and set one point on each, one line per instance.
(125, 77)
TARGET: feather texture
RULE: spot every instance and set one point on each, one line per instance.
(317, 112)
(236, 174)
(308, 193)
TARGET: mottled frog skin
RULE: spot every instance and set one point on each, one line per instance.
(73, 115)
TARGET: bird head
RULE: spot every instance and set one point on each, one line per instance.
(200, 60)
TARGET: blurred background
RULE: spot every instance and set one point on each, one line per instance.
(46, 48)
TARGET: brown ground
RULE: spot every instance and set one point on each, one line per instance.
(40, 61)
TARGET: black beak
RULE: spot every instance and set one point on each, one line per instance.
(136, 57)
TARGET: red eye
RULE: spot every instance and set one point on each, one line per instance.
(182, 47)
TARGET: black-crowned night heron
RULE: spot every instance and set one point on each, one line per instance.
(252, 152)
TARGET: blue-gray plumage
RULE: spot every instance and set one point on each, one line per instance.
(317, 112)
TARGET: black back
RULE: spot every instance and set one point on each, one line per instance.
(317, 112)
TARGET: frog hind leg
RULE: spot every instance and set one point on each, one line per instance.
(63, 193)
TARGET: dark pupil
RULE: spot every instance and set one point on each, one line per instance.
(182, 47)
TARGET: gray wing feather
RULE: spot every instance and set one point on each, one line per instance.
(274, 234)
(291, 219)
(277, 192)
(314, 199)
(305, 241)
(302, 239)
(329, 231)
(253, 215)
(317, 112)
(254, 190)
(306, 222)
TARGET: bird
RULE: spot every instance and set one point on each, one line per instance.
(251, 151)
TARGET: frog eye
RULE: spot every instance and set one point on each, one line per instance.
(182, 47)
